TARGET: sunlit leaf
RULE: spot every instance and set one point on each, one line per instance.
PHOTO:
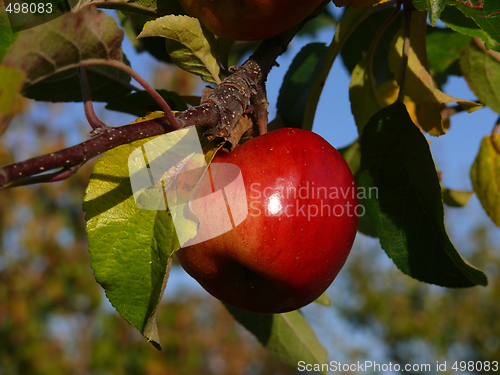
(485, 176)
(456, 20)
(323, 300)
(364, 97)
(403, 200)
(11, 82)
(130, 248)
(134, 227)
(191, 47)
(487, 17)
(287, 336)
(419, 85)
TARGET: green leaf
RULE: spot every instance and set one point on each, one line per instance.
(402, 196)
(287, 336)
(352, 155)
(440, 59)
(421, 4)
(482, 72)
(361, 40)
(435, 9)
(456, 198)
(456, 20)
(323, 300)
(487, 18)
(298, 82)
(50, 53)
(65, 86)
(130, 247)
(7, 37)
(139, 103)
(363, 95)
(485, 176)
(154, 45)
(350, 20)
(11, 81)
(191, 47)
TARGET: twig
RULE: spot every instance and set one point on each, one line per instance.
(151, 91)
(219, 115)
(408, 9)
(489, 52)
(96, 124)
(447, 112)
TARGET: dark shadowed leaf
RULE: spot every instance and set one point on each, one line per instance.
(360, 41)
(50, 53)
(297, 84)
(140, 103)
(350, 20)
(403, 199)
(151, 8)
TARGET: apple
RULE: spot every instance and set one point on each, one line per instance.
(249, 19)
(301, 219)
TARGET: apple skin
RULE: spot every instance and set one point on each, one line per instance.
(249, 19)
(280, 258)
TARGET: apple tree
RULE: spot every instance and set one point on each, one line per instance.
(399, 55)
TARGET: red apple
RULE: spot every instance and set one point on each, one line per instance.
(249, 19)
(302, 219)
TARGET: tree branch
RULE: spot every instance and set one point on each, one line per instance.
(218, 116)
